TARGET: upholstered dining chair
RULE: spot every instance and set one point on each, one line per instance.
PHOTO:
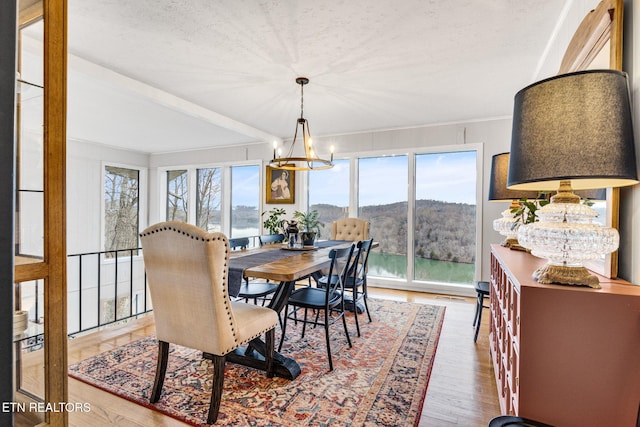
(327, 301)
(187, 276)
(355, 282)
(353, 229)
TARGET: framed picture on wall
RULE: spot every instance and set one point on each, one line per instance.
(280, 186)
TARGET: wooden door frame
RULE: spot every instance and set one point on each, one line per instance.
(53, 269)
(55, 220)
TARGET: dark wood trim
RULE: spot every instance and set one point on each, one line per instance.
(8, 44)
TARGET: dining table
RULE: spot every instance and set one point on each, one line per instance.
(283, 265)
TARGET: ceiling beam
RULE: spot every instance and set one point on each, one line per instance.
(166, 99)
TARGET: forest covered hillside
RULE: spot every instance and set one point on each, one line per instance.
(443, 231)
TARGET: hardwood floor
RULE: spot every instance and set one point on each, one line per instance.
(462, 389)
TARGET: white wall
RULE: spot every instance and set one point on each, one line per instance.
(629, 250)
(494, 135)
(573, 14)
(85, 159)
(85, 162)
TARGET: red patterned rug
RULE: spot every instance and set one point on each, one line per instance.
(381, 381)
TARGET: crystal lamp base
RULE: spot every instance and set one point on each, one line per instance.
(564, 275)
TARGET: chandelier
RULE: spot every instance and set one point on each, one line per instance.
(310, 161)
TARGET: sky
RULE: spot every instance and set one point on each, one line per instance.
(244, 191)
(449, 177)
(440, 176)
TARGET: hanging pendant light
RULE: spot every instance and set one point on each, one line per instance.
(311, 161)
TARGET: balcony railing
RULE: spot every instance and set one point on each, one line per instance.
(103, 288)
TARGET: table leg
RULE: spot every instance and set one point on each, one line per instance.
(253, 354)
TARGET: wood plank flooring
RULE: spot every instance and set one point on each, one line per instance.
(462, 389)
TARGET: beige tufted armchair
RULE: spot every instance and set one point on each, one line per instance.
(187, 276)
(354, 229)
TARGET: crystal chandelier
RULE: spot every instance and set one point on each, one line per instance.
(310, 161)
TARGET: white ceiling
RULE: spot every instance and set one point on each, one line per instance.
(167, 75)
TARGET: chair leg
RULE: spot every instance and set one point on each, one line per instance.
(161, 369)
(344, 323)
(355, 310)
(479, 319)
(326, 336)
(270, 338)
(283, 326)
(366, 296)
(304, 323)
(475, 316)
(216, 389)
(366, 307)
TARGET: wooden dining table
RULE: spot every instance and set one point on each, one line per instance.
(285, 271)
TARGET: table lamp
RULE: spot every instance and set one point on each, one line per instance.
(498, 192)
(571, 131)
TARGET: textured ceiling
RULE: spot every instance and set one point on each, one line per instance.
(165, 75)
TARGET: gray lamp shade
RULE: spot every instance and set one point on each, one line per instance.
(575, 127)
(498, 190)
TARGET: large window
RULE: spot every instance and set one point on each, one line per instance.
(245, 201)
(329, 193)
(382, 200)
(209, 199)
(426, 226)
(121, 203)
(177, 195)
(445, 217)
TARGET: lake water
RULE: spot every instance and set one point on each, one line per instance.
(395, 266)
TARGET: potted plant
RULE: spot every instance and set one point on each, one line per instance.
(311, 226)
(274, 221)
(525, 213)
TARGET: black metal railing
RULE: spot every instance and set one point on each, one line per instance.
(106, 290)
(103, 288)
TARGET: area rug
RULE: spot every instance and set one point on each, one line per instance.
(381, 381)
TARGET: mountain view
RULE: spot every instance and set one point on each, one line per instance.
(445, 239)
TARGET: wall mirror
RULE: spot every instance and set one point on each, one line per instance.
(597, 44)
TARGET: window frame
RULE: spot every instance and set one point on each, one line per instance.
(143, 184)
(410, 283)
(192, 179)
